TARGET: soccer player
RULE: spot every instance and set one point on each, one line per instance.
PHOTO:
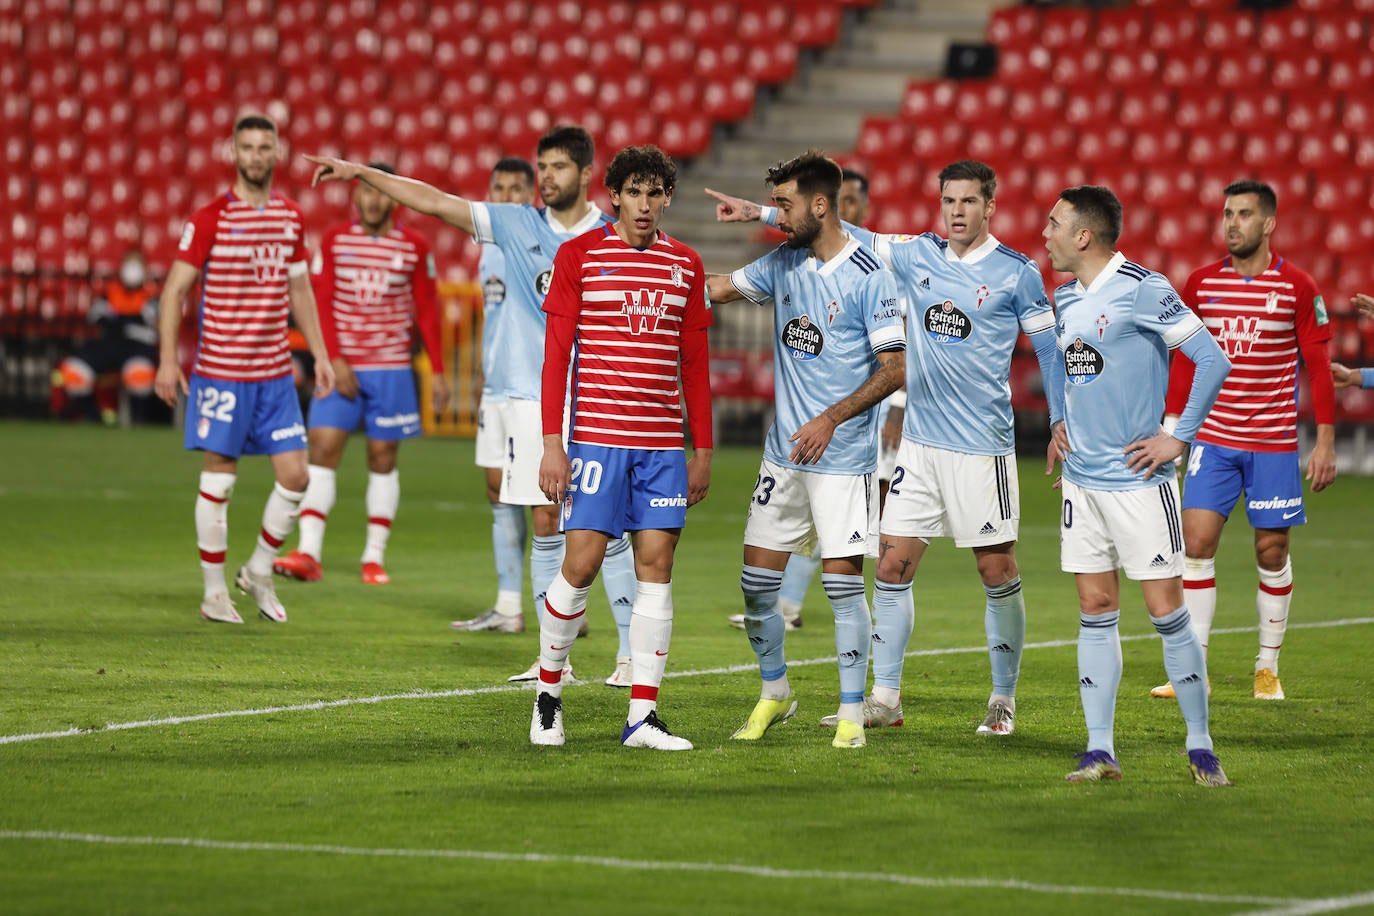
(837, 352)
(852, 205)
(631, 303)
(249, 244)
(529, 238)
(968, 298)
(1117, 322)
(374, 283)
(512, 182)
(1267, 314)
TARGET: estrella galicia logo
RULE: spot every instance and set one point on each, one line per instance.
(946, 324)
(493, 291)
(543, 281)
(1082, 362)
(802, 337)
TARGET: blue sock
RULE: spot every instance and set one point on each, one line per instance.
(1099, 676)
(508, 546)
(1186, 666)
(894, 617)
(1005, 623)
(618, 578)
(762, 622)
(796, 578)
(853, 631)
(546, 559)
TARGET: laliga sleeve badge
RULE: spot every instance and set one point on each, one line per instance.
(203, 427)
(567, 507)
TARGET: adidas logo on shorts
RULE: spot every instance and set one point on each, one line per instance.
(856, 538)
(988, 529)
(1158, 562)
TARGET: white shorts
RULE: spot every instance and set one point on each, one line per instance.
(522, 423)
(936, 493)
(491, 433)
(1138, 531)
(793, 510)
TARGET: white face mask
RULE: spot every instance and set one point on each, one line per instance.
(132, 274)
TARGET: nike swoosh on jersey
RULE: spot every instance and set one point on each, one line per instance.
(604, 271)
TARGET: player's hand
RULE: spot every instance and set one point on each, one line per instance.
(345, 382)
(1344, 376)
(698, 475)
(812, 440)
(331, 168)
(1321, 467)
(168, 381)
(439, 392)
(554, 470)
(324, 378)
(1149, 454)
(1055, 452)
(1362, 301)
(734, 209)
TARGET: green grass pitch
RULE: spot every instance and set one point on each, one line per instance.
(431, 799)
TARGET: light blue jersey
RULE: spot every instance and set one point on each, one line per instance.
(1115, 337)
(491, 270)
(963, 319)
(528, 238)
(829, 321)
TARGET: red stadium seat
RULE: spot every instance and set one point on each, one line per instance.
(1338, 33)
(1022, 66)
(1220, 144)
(1090, 108)
(928, 98)
(1174, 31)
(1187, 69)
(1122, 29)
(1200, 108)
(728, 99)
(1036, 107)
(1223, 32)
(987, 143)
(1104, 145)
(881, 136)
(1145, 106)
(1325, 151)
(1064, 28)
(1171, 190)
(815, 25)
(1014, 26)
(1340, 191)
(1241, 69)
(1266, 150)
(1311, 111)
(1132, 67)
(1297, 72)
(685, 135)
(1285, 32)
(1257, 112)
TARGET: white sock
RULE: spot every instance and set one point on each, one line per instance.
(1272, 601)
(315, 509)
(212, 528)
(565, 608)
(383, 498)
(1200, 595)
(891, 697)
(651, 630)
(278, 516)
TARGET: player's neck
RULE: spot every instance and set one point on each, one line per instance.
(1255, 264)
(1091, 266)
(252, 194)
(962, 248)
(829, 242)
(378, 229)
(572, 215)
(631, 236)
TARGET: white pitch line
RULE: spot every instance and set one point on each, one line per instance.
(756, 871)
(510, 688)
(1328, 905)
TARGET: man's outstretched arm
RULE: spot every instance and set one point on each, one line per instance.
(418, 196)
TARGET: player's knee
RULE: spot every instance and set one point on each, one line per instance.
(294, 479)
(1271, 555)
(381, 461)
(78, 378)
(1097, 601)
(997, 568)
(137, 376)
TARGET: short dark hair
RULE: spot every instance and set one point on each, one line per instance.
(1268, 200)
(571, 139)
(381, 166)
(855, 175)
(255, 122)
(971, 170)
(643, 162)
(814, 173)
(515, 166)
(1098, 210)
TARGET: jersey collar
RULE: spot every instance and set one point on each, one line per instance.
(585, 224)
(829, 267)
(990, 244)
(1103, 278)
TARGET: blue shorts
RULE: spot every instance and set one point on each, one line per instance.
(244, 418)
(615, 490)
(386, 400)
(1271, 481)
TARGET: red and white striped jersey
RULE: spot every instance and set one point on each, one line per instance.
(371, 290)
(246, 256)
(631, 307)
(1263, 323)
